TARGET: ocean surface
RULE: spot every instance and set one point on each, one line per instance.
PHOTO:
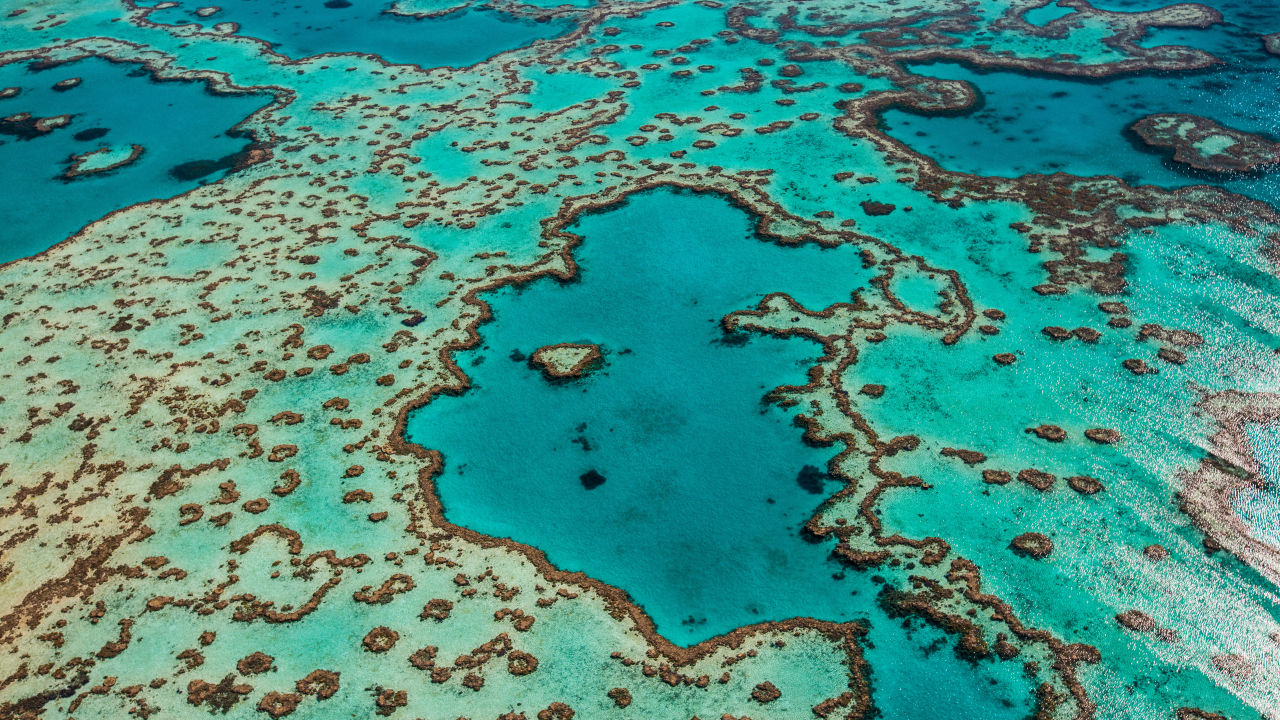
(303, 29)
(239, 366)
(116, 105)
(661, 421)
(1004, 135)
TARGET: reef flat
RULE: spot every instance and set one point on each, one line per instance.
(834, 427)
(1205, 145)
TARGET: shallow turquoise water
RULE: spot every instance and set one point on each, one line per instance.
(700, 512)
(1004, 135)
(132, 108)
(312, 27)
(1261, 508)
(1188, 277)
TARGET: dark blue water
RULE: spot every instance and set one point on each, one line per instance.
(114, 105)
(706, 486)
(302, 29)
(1038, 124)
(1046, 14)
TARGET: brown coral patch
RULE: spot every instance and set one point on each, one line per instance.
(380, 639)
(437, 609)
(621, 697)
(1032, 544)
(1103, 436)
(255, 663)
(765, 692)
(996, 477)
(278, 704)
(321, 683)
(1052, 433)
(1037, 479)
(1085, 485)
(968, 457)
(521, 663)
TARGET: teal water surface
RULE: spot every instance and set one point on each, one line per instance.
(666, 471)
(706, 485)
(1260, 507)
(313, 27)
(1042, 124)
(114, 105)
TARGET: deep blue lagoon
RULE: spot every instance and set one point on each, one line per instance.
(114, 106)
(1027, 123)
(303, 29)
(706, 484)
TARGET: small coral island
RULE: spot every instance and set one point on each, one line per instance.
(102, 160)
(566, 361)
(1206, 145)
(26, 126)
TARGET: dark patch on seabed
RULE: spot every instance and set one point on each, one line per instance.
(591, 479)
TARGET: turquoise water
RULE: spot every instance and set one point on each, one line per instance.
(303, 29)
(1088, 120)
(915, 668)
(666, 471)
(700, 511)
(1046, 14)
(1004, 135)
(114, 105)
(1260, 508)
(1190, 278)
